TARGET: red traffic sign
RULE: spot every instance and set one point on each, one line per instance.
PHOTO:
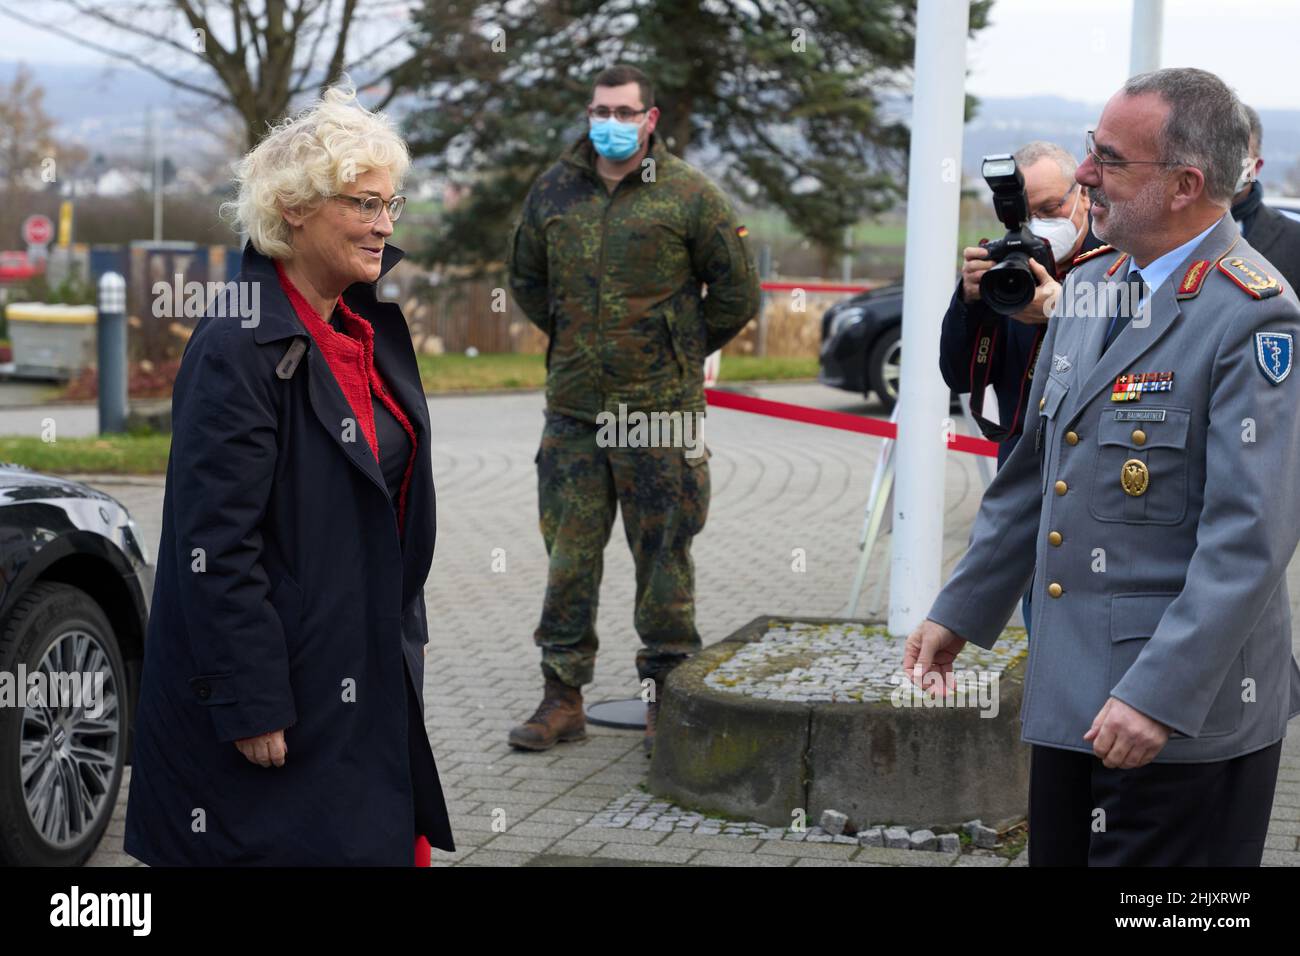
(37, 230)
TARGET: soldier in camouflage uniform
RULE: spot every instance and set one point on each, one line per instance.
(610, 258)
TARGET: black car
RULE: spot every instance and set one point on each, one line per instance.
(861, 349)
(1286, 205)
(74, 588)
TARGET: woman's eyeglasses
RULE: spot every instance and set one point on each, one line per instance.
(369, 206)
(624, 114)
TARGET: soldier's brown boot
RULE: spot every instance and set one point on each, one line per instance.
(559, 717)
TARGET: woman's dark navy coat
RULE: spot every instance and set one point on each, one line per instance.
(283, 598)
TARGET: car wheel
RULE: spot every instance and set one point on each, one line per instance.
(883, 365)
(62, 751)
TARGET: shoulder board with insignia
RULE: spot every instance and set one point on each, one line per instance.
(1193, 279)
(1085, 256)
(1250, 277)
(1118, 262)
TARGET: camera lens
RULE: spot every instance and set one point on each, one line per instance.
(1009, 286)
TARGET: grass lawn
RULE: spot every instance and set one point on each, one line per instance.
(129, 454)
(144, 453)
(773, 227)
(754, 368)
(460, 373)
(486, 372)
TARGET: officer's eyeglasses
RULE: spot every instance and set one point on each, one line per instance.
(1090, 150)
(369, 206)
(624, 114)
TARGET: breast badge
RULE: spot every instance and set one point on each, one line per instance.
(1134, 477)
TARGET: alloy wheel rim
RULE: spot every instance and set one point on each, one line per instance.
(891, 369)
(67, 759)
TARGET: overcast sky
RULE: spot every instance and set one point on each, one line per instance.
(1077, 49)
(1081, 49)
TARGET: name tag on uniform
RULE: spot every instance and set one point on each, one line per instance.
(1139, 414)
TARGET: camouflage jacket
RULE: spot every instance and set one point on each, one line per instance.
(616, 281)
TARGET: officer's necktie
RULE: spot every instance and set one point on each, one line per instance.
(1126, 309)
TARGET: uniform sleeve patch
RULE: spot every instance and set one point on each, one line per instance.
(1273, 352)
(742, 231)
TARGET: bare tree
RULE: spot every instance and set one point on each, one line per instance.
(26, 141)
(25, 129)
(261, 54)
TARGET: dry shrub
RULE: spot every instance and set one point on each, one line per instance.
(790, 332)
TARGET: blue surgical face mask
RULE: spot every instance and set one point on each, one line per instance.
(614, 140)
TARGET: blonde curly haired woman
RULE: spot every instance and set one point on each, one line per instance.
(280, 718)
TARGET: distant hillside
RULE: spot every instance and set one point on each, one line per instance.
(109, 106)
(1002, 125)
(106, 109)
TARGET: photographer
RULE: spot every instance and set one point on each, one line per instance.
(1058, 210)
(981, 345)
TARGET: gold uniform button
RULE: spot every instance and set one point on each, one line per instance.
(1054, 589)
(1042, 402)
(1061, 487)
(1054, 538)
(1139, 437)
(1072, 438)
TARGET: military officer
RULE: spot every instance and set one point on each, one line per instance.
(610, 258)
(1160, 676)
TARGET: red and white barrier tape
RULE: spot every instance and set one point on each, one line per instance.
(814, 286)
(878, 427)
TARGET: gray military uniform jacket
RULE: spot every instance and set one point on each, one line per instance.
(1161, 528)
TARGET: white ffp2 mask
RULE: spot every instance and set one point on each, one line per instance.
(1060, 233)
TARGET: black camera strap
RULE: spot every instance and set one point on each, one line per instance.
(981, 364)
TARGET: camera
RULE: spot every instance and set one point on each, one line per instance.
(1010, 285)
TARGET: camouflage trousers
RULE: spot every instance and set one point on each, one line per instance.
(664, 496)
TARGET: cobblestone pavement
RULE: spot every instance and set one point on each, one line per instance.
(777, 486)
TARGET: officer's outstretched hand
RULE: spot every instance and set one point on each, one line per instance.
(931, 648)
(1125, 738)
(1045, 296)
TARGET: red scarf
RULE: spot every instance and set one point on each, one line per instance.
(351, 357)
